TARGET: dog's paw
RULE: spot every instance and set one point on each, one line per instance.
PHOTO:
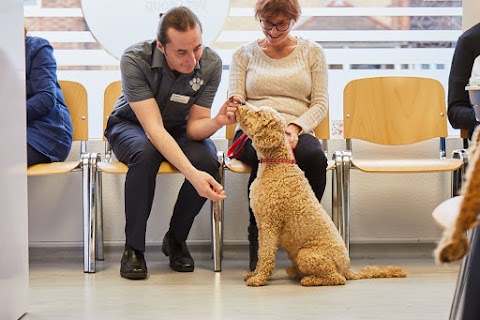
(256, 281)
(248, 275)
(452, 251)
(331, 280)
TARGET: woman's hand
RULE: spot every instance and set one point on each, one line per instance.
(292, 132)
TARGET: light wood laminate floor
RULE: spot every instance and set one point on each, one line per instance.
(60, 290)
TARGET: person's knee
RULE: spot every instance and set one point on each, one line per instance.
(146, 154)
(205, 161)
(313, 158)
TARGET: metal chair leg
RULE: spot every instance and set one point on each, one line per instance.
(346, 156)
(88, 233)
(337, 192)
(461, 280)
(457, 175)
(98, 204)
(217, 221)
(93, 208)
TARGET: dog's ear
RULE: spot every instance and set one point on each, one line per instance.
(270, 129)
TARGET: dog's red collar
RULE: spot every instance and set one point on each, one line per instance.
(292, 161)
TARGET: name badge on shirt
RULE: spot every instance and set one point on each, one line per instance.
(179, 98)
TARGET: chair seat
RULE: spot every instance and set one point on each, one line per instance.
(120, 168)
(407, 165)
(44, 169)
(237, 166)
(446, 213)
(330, 165)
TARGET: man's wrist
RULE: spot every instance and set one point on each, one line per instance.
(217, 122)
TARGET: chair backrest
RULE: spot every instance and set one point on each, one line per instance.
(110, 97)
(394, 110)
(75, 96)
(322, 131)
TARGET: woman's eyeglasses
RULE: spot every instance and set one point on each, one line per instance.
(281, 26)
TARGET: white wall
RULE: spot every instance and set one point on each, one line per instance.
(471, 14)
(13, 182)
(385, 208)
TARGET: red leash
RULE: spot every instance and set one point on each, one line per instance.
(237, 147)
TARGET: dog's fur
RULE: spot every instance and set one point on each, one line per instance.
(454, 243)
(288, 213)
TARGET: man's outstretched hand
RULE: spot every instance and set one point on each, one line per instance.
(207, 186)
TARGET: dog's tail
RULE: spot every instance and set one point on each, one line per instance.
(370, 272)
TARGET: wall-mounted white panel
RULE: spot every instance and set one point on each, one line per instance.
(13, 182)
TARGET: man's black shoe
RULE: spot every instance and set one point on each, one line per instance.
(133, 265)
(180, 258)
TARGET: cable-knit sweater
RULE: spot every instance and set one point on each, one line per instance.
(295, 86)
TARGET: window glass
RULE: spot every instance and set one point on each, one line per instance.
(31, 3)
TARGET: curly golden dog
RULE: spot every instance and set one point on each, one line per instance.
(454, 243)
(289, 215)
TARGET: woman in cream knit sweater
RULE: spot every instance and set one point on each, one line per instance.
(288, 74)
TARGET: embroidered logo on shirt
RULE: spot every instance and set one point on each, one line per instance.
(196, 83)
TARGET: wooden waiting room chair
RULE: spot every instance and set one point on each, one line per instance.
(76, 99)
(112, 92)
(322, 132)
(395, 111)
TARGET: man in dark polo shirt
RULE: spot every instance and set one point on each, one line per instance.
(162, 114)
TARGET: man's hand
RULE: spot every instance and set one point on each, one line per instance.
(226, 114)
(207, 186)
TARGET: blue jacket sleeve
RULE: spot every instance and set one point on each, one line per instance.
(41, 80)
